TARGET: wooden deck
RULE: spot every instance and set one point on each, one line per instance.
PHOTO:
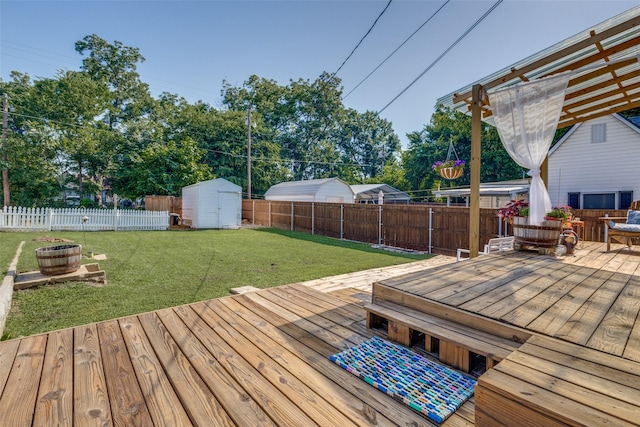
(578, 317)
(261, 358)
(255, 359)
(590, 299)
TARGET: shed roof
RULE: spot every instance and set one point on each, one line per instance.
(304, 187)
(606, 75)
(370, 191)
(216, 182)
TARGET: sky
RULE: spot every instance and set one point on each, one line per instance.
(192, 47)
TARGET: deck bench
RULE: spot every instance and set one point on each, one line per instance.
(497, 244)
(453, 342)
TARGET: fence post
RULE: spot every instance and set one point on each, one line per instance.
(269, 213)
(379, 225)
(50, 218)
(115, 214)
(253, 212)
(430, 228)
(313, 222)
(292, 216)
(341, 222)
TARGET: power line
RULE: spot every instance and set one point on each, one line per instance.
(397, 49)
(496, 4)
(362, 39)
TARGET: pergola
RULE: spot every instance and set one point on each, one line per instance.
(605, 79)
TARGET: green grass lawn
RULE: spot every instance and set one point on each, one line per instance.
(151, 270)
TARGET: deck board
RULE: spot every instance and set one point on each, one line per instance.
(55, 394)
(197, 400)
(162, 401)
(91, 398)
(8, 352)
(129, 408)
(21, 388)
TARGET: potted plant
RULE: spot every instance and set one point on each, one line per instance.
(543, 236)
(450, 169)
(515, 208)
(560, 213)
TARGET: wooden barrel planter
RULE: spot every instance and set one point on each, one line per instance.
(61, 259)
(544, 235)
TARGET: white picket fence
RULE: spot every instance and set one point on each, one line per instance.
(80, 219)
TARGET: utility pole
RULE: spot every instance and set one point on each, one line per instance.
(3, 151)
(249, 152)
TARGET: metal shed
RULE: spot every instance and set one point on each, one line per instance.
(492, 194)
(216, 203)
(370, 193)
(330, 190)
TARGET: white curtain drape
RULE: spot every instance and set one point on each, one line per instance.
(526, 116)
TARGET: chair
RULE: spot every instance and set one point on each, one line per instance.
(627, 231)
(498, 244)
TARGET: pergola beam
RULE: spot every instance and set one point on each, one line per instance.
(574, 48)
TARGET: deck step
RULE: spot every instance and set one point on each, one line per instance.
(454, 342)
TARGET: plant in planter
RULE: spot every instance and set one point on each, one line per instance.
(561, 213)
(544, 236)
(515, 208)
(450, 169)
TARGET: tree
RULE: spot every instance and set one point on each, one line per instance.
(161, 168)
(368, 141)
(70, 103)
(318, 137)
(432, 143)
(31, 152)
(115, 67)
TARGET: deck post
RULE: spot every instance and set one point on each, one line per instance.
(474, 206)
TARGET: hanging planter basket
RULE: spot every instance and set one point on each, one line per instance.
(451, 173)
(450, 169)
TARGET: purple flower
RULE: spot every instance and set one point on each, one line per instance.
(455, 164)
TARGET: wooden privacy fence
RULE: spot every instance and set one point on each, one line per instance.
(436, 229)
(171, 204)
(429, 228)
(80, 219)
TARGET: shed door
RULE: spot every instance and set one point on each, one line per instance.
(229, 205)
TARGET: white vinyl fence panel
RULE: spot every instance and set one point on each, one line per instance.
(80, 219)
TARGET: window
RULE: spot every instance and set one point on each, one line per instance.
(626, 197)
(599, 201)
(598, 133)
(574, 200)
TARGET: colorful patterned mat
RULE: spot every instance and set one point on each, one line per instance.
(425, 386)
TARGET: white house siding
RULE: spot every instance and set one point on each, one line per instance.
(579, 166)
